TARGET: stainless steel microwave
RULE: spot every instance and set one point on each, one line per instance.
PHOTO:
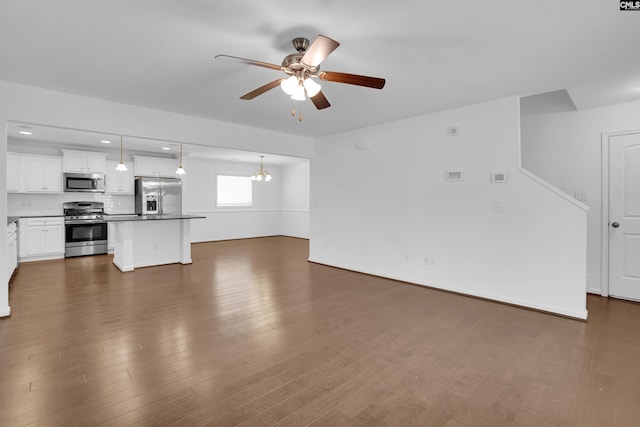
(84, 182)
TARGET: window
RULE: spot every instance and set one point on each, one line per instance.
(234, 191)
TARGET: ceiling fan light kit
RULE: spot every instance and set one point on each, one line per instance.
(301, 67)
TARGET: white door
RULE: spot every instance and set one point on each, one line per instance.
(624, 216)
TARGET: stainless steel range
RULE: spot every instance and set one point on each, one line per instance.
(85, 229)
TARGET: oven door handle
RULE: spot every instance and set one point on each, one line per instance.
(84, 222)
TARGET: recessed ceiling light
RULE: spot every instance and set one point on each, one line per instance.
(166, 148)
(25, 132)
(105, 141)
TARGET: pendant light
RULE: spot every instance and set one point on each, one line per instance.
(262, 174)
(121, 166)
(180, 170)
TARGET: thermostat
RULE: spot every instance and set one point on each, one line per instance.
(453, 130)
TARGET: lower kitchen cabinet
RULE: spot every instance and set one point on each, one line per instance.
(12, 250)
(41, 238)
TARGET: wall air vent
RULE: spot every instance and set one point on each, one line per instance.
(454, 176)
(498, 177)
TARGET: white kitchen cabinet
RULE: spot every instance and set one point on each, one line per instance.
(83, 161)
(41, 238)
(155, 166)
(44, 174)
(13, 173)
(12, 250)
(117, 182)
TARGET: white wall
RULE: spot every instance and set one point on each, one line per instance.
(5, 310)
(46, 107)
(199, 198)
(383, 210)
(565, 150)
(295, 187)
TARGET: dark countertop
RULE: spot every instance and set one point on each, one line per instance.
(125, 218)
(11, 219)
(38, 216)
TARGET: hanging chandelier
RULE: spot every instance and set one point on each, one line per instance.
(262, 174)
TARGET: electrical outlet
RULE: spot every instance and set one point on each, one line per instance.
(429, 261)
(406, 258)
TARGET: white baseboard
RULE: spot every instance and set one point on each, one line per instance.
(42, 257)
(581, 315)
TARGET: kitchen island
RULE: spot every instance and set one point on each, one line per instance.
(146, 240)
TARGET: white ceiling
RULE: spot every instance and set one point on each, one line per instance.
(65, 138)
(434, 54)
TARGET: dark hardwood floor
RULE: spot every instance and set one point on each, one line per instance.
(252, 334)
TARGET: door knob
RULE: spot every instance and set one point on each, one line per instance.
(615, 224)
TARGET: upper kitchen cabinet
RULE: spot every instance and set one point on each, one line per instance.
(44, 174)
(155, 166)
(83, 161)
(117, 182)
(13, 173)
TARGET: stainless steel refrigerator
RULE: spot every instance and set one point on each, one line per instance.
(158, 196)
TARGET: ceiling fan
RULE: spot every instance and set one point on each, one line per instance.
(301, 67)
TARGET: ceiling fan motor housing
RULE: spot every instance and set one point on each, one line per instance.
(300, 44)
(293, 65)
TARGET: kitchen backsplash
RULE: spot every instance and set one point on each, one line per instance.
(21, 204)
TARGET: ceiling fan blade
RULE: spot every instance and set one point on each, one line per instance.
(251, 62)
(262, 89)
(352, 79)
(320, 101)
(318, 50)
